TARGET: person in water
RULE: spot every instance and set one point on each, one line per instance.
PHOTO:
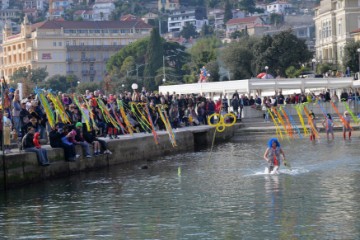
(313, 127)
(329, 126)
(272, 155)
(346, 127)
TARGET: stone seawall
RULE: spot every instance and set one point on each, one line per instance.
(23, 168)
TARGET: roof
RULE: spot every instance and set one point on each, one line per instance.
(242, 20)
(53, 24)
(356, 31)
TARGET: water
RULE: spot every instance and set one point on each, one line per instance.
(227, 197)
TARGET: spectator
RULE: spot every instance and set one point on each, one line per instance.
(30, 143)
(79, 139)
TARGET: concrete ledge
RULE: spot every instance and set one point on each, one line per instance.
(23, 168)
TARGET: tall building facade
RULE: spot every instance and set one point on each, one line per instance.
(65, 47)
(334, 21)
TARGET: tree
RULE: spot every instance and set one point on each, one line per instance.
(228, 12)
(154, 56)
(276, 19)
(212, 3)
(35, 76)
(206, 30)
(279, 52)
(239, 58)
(202, 52)
(62, 83)
(247, 6)
(91, 86)
(188, 31)
(351, 56)
(239, 34)
(213, 70)
(137, 50)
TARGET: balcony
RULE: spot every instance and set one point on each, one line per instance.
(92, 72)
(85, 72)
(69, 60)
(69, 72)
(84, 59)
(92, 59)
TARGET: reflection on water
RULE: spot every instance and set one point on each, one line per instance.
(227, 197)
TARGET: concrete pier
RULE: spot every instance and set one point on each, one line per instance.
(22, 168)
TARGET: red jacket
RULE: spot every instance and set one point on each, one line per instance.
(36, 140)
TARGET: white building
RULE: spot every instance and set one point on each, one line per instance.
(34, 4)
(278, 7)
(4, 4)
(334, 21)
(178, 19)
(102, 10)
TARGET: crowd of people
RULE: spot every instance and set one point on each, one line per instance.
(86, 119)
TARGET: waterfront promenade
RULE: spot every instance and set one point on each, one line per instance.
(23, 168)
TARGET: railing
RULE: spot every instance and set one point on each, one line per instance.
(84, 72)
(249, 85)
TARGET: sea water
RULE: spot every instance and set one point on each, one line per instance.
(192, 196)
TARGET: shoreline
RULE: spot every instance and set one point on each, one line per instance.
(22, 168)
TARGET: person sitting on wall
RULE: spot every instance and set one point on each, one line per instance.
(31, 143)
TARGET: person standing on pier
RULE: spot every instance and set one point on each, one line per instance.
(272, 155)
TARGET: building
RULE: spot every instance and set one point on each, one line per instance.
(149, 16)
(86, 15)
(179, 18)
(12, 14)
(168, 5)
(102, 10)
(4, 4)
(356, 35)
(278, 7)
(68, 47)
(57, 8)
(334, 21)
(34, 4)
(255, 26)
(301, 26)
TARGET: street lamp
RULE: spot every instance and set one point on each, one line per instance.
(313, 62)
(134, 86)
(266, 69)
(358, 51)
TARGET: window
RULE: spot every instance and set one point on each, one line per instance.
(67, 43)
(340, 28)
(54, 44)
(60, 44)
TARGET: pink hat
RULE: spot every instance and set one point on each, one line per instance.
(73, 133)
